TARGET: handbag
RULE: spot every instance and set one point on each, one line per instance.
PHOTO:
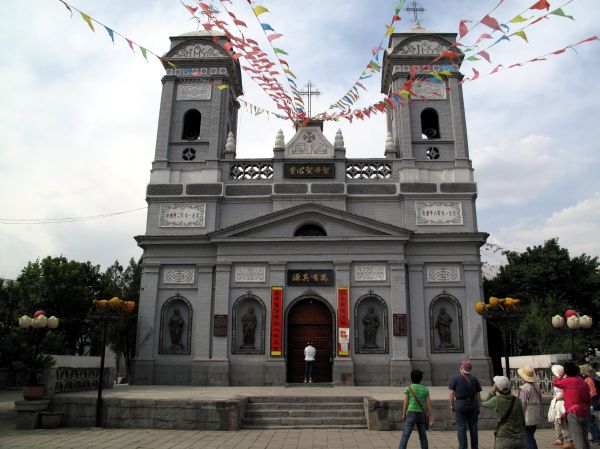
(425, 415)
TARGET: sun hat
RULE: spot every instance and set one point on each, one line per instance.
(466, 366)
(502, 384)
(527, 374)
(557, 370)
(585, 369)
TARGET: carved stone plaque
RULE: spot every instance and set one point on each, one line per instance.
(179, 276)
(194, 91)
(369, 273)
(197, 51)
(250, 274)
(220, 326)
(400, 325)
(444, 213)
(443, 273)
(422, 47)
(182, 215)
(429, 90)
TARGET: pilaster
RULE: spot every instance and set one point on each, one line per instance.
(343, 367)
(164, 119)
(147, 338)
(400, 347)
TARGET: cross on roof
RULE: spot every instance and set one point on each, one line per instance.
(309, 93)
(415, 8)
(213, 11)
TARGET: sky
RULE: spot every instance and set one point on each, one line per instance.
(78, 116)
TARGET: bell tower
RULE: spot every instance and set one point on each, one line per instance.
(198, 107)
(427, 124)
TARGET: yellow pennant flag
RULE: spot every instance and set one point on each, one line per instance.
(389, 31)
(223, 86)
(518, 19)
(87, 19)
(521, 34)
(258, 10)
(289, 72)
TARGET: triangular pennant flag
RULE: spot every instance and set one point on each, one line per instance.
(143, 50)
(266, 27)
(258, 10)
(484, 55)
(223, 86)
(558, 52)
(272, 37)
(521, 34)
(67, 6)
(504, 37)
(491, 22)
(482, 37)
(475, 75)
(280, 51)
(503, 25)
(191, 9)
(497, 68)
(462, 28)
(289, 72)
(130, 44)
(542, 4)
(390, 31)
(473, 58)
(518, 19)
(560, 12)
(360, 85)
(88, 20)
(589, 39)
(110, 33)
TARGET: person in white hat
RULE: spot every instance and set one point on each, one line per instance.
(556, 412)
(530, 394)
(510, 418)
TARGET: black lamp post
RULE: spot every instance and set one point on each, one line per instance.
(108, 310)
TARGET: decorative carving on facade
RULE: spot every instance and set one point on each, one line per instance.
(197, 51)
(429, 90)
(369, 273)
(443, 273)
(251, 170)
(445, 325)
(310, 143)
(200, 91)
(445, 213)
(182, 215)
(422, 68)
(368, 170)
(179, 276)
(422, 47)
(250, 274)
(196, 72)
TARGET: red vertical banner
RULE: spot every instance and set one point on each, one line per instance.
(343, 321)
(276, 320)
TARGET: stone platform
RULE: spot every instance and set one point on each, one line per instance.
(225, 408)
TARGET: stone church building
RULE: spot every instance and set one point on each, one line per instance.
(374, 260)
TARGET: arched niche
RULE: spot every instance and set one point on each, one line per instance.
(430, 124)
(445, 324)
(191, 125)
(248, 326)
(176, 326)
(371, 325)
(310, 230)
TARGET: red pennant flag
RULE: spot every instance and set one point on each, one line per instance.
(272, 37)
(191, 9)
(475, 75)
(228, 46)
(208, 26)
(68, 7)
(542, 4)
(491, 22)
(518, 64)
(462, 28)
(482, 37)
(484, 55)
(497, 68)
(558, 52)
(589, 39)
(130, 44)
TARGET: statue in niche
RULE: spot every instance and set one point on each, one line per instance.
(371, 324)
(176, 324)
(443, 327)
(249, 328)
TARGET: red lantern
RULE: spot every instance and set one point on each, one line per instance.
(38, 313)
(570, 313)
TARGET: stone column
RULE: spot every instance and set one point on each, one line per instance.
(275, 368)
(343, 367)
(403, 126)
(218, 367)
(147, 338)
(400, 364)
(164, 122)
(201, 327)
(459, 127)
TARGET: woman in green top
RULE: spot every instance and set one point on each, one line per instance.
(510, 418)
(417, 406)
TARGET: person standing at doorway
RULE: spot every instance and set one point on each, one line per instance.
(465, 400)
(530, 394)
(309, 359)
(416, 410)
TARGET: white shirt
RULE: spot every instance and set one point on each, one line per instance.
(309, 353)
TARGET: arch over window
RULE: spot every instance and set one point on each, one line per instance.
(248, 325)
(430, 124)
(310, 230)
(371, 325)
(176, 326)
(445, 324)
(191, 125)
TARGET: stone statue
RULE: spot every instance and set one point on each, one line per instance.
(176, 324)
(371, 324)
(443, 326)
(249, 327)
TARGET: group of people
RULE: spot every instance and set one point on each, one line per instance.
(572, 409)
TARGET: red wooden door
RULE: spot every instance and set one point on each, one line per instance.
(309, 320)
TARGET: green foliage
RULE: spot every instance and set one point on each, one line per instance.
(34, 365)
(549, 281)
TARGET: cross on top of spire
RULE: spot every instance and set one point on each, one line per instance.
(417, 10)
(309, 92)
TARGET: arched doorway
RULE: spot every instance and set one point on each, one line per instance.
(309, 320)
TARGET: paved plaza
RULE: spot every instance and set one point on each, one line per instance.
(66, 438)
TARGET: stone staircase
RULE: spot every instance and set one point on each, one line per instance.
(305, 412)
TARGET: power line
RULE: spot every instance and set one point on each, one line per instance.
(37, 221)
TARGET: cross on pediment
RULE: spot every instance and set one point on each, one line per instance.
(309, 92)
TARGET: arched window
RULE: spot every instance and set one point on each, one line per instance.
(445, 324)
(248, 325)
(191, 125)
(430, 125)
(371, 325)
(310, 230)
(176, 326)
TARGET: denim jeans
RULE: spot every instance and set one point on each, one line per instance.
(530, 438)
(413, 418)
(593, 427)
(466, 416)
(308, 365)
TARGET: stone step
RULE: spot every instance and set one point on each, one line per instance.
(305, 422)
(251, 414)
(306, 399)
(317, 426)
(304, 406)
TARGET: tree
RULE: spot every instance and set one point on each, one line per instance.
(548, 281)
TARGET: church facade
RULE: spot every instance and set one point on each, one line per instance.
(376, 261)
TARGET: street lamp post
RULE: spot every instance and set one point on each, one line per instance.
(108, 310)
(574, 321)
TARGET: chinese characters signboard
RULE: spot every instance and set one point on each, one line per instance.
(310, 277)
(182, 215)
(439, 213)
(400, 326)
(276, 320)
(343, 321)
(309, 170)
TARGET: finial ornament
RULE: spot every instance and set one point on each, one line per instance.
(339, 139)
(389, 143)
(279, 141)
(230, 145)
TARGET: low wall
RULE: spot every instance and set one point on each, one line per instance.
(77, 373)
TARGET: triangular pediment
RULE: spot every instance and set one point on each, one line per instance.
(337, 224)
(421, 45)
(199, 48)
(309, 143)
